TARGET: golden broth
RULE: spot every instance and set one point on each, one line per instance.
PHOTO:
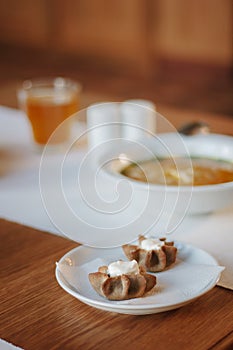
(181, 171)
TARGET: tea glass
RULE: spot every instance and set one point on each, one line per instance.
(48, 103)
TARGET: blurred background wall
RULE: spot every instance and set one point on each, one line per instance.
(166, 45)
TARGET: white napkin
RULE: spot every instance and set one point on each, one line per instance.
(214, 233)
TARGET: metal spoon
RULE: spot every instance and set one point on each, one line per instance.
(194, 128)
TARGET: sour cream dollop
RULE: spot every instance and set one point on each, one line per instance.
(119, 267)
(151, 244)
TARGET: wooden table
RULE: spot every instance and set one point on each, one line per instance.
(37, 314)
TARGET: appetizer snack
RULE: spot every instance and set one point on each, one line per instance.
(152, 254)
(122, 280)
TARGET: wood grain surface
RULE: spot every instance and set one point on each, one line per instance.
(37, 314)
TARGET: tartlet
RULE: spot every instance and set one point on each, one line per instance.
(122, 286)
(152, 260)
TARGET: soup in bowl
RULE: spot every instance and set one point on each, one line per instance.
(180, 172)
(189, 174)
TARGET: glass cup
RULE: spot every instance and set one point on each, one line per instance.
(48, 103)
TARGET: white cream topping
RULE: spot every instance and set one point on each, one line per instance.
(151, 244)
(120, 267)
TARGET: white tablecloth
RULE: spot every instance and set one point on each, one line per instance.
(4, 345)
(20, 198)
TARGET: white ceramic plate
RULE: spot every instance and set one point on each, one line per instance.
(194, 273)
